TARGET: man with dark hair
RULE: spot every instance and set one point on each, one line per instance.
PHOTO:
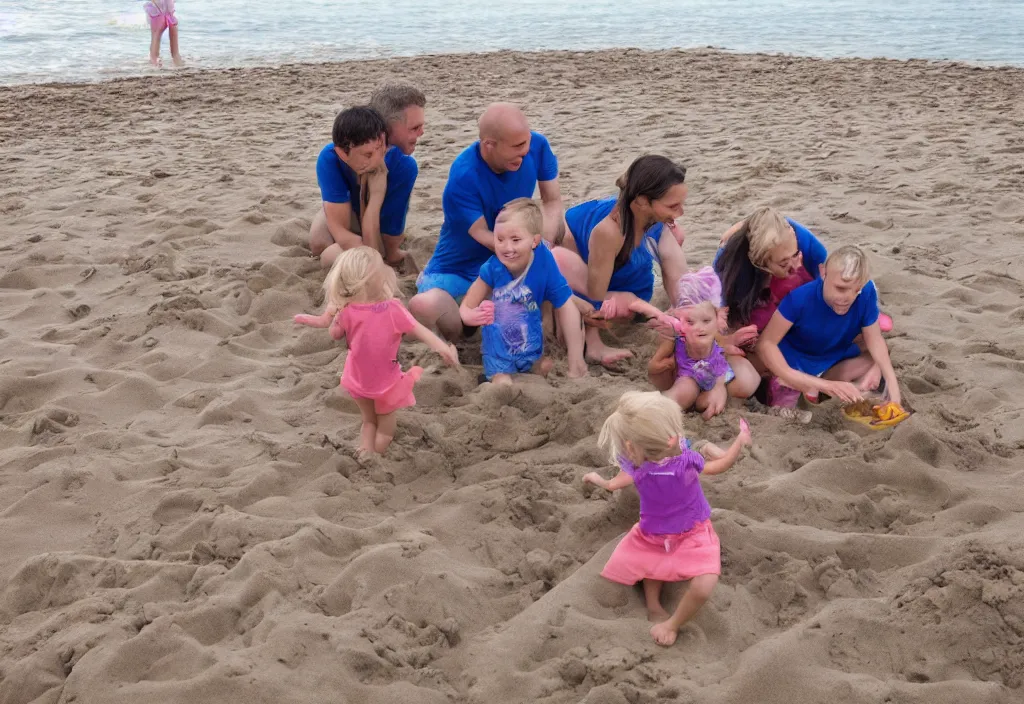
(368, 205)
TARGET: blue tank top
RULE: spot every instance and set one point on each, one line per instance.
(637, 276)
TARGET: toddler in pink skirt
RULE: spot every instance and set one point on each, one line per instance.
(674, 540)
(361, 306)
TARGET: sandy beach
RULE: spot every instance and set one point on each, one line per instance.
(181, 514)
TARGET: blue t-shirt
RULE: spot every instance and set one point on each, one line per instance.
(810, 246)
(517, 329)
(339, 184)
(637, 276)
(474, 191)
(820, 338)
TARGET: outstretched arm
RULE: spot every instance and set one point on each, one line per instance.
(447, 351)
(619, 481)
(717, 466)
(317, 321)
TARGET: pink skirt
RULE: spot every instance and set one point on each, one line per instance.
(399, 395)
(666, 558)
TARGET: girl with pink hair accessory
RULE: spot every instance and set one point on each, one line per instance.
(691, 368)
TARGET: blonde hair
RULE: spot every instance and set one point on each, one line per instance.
(359, 273)
(647, 420)
(528, 212)
(850, 262)
(765, 229)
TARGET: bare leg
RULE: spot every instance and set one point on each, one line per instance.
(323, 244)
(502, 380)
(747, 379)
(385, 431)
(172, 34)
(860, 370)
(652, 595)
(684, 392)
(154, 45)
(696, 596)
(437, 309)
(368, 432)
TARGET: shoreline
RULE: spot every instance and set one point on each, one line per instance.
(171, 73)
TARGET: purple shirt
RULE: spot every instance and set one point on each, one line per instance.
(671, 500)
(704, 371)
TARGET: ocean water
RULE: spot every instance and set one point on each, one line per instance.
(82, 40)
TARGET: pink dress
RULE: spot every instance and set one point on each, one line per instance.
(160, 14)
(374, 332)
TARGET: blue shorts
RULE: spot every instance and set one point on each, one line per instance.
(454, 285)
(509, 364)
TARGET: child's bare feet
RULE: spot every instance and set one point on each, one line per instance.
(604, 355)
(156, 62)
(664, 633)
(501, 380)
(178, 61)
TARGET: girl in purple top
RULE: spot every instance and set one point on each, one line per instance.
(692, 369)
(674, 540)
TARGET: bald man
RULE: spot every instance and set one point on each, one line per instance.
(507, 162)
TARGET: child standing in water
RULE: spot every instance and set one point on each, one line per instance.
(518, 279)
(161, 16)
(674, 540)
(692, 369)
(809, 343)
(361, 306)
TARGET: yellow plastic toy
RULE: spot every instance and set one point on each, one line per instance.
(885, 415)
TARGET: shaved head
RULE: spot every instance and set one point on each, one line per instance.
(504, 137)
(501, 119)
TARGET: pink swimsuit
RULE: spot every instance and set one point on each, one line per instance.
(160, 14)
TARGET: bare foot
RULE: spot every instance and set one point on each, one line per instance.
(664, 633)
(178, 61)
(578, 369)
(657, 614)
(156, 62)
(544, 366)
(501, 380)
(606, 356)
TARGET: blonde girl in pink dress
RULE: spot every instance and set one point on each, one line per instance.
(361, 307)
(161, 16)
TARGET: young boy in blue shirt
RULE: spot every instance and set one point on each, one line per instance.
(518, 279)
(809, 343)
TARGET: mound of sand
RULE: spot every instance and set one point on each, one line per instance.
(181, 516)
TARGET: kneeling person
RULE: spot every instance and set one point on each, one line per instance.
(518, 280)
(810, 342)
